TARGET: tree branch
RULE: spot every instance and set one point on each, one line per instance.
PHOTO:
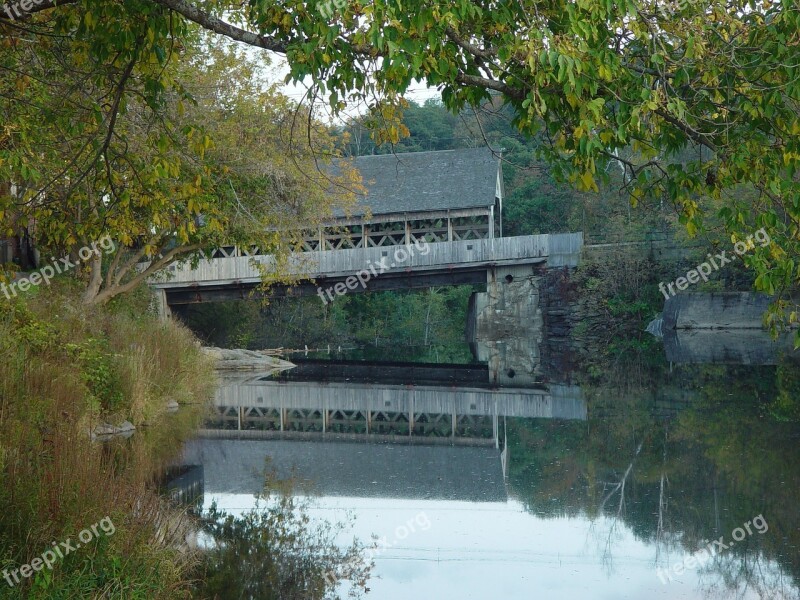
(486, 53)
(152, 268)
(13, 12)
(491, 84)
(131, 262)
(113, 267)
(221, 27)
(686, 129)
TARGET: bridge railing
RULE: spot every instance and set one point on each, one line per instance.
(557, 401)
(555, 249)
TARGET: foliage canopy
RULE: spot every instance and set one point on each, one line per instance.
(695, 99)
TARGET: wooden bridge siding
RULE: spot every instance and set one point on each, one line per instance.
(267, 434)
(564, 248)
(560, 402)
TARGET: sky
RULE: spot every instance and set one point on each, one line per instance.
(498, 550)
(418, 92)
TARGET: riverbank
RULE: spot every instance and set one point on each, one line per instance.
(66, 369)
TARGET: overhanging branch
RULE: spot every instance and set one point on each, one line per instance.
(221, 27)
(12, 11)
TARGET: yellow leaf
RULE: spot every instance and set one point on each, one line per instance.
(588, 182)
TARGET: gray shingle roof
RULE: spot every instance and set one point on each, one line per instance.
(428, 181)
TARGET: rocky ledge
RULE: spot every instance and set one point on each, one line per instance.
(245, 360)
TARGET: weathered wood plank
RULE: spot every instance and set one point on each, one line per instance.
(557, 249)
(563, 402)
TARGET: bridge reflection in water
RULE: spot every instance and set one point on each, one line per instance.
(343, 469)
(448, 404)
(350, 435)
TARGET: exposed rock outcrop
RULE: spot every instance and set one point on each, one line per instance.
(106, 431)
(238, 359)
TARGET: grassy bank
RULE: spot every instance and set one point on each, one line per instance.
(66, 368)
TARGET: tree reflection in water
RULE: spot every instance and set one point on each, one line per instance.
(679, 456)
(276, 551)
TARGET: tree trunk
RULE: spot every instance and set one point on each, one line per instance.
(95, 280)
(97, 293)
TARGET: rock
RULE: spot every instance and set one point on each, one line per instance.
(105, 431)
(212, 353)
(245, 360)
(172, 406)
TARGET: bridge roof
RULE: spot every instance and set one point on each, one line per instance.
(415, 182)
(352, 469)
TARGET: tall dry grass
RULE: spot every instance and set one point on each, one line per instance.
(64, 368)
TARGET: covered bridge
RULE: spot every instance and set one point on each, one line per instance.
(441, 196)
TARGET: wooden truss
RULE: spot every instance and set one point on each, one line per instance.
(362, 422)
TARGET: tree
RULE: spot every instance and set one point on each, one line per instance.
(641, 83)
(214, 157)
(430, 126)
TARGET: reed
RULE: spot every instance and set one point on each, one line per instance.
(64, 368)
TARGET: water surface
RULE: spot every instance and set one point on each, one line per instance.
(608, 482)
